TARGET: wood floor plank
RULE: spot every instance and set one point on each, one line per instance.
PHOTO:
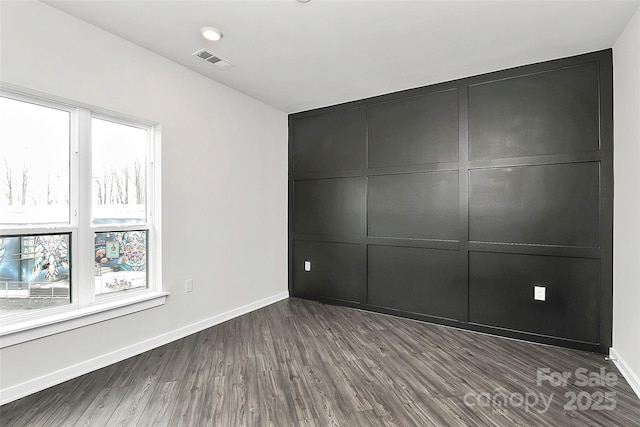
(127, 371)
(189, 402)
(102, 408)
(372, 419)
(382, 400)
(342, 397)
(199, 364)
(304, 403)
(133, 403)
(274, 407)
(241, 391)
(74, 403)
(36, 413)
(213, 413)
(303, 363)
(160, 406)
(181, 354)
(154, 367)
(12, 411)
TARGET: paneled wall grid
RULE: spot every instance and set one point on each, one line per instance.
(450, 203)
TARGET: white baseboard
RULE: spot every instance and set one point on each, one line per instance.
(632, 378)
(26, 388)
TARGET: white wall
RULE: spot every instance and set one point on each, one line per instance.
(626, 251)
(224, 177)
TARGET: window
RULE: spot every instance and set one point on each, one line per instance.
(77, 194)
(34, 162)
(118, 171)
(119, 184)
(34, 272)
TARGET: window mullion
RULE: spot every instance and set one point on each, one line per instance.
(73, 207)
(151, 200)
(82, 253)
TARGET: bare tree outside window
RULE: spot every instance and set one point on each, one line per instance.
(34, 163)
(9, 182)
(138, 182)
(118, 165)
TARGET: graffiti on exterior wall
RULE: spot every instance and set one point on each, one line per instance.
(123, 251)
(34, 259)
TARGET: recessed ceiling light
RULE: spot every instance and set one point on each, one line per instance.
(211, 33)
(304, 1)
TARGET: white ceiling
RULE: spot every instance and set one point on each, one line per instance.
(298, 56)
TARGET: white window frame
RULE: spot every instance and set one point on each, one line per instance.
(86, 307)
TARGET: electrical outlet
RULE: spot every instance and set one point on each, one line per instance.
(307, 266)
(188, 285)
(539, 293)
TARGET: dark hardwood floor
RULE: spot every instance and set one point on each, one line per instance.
(302, 363)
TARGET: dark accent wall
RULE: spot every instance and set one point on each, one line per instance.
(449, 203)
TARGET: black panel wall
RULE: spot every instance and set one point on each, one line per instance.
(450, 203)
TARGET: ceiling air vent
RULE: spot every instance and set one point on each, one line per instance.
(212, 58)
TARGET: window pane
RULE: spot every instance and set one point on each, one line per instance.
(34, 163)
(121, 261)
(118, 172)
(34, 273)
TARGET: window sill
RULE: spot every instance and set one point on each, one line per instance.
(78, 317)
